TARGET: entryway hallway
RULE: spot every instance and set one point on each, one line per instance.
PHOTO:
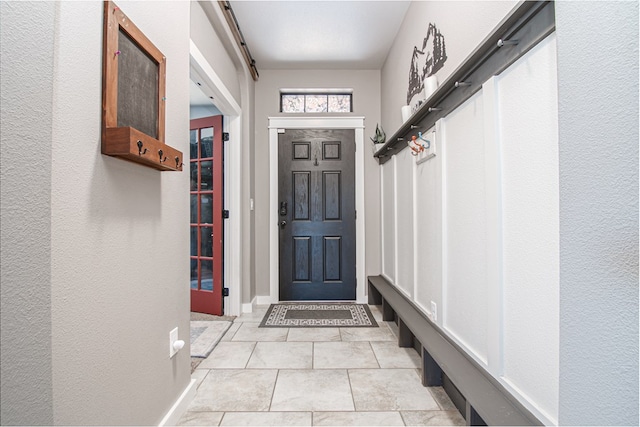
(314, 376)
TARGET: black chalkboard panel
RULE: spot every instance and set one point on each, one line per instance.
(137, 87)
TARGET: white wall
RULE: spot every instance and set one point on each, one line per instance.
(464, 24)
(598, 125)
(465, 286)
(388, 208)
(226, 77)
(117, 255)
(366, 102)
(528, 138)
(482, 242)
(428, 228)
(404, 221)
(212, 47)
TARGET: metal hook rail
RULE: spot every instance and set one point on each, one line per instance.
(528, 24)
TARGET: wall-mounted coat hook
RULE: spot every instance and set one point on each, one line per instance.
(178, 162)
(507, 42)
(140, 152)
(160, 154)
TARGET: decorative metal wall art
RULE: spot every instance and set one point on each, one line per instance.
(426, 61)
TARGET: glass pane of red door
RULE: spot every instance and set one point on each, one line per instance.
(206, 215)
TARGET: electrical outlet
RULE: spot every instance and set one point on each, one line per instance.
(434, 311)
(173, 337)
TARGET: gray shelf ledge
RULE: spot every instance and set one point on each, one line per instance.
(485, 399)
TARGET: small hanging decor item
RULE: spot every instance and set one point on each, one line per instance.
(418, 144)
(379, 137)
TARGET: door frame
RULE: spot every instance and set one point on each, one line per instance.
(202, 300)
(347, 122)
(200, 70)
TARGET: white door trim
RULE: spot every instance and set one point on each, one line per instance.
(211, 84)
(347, 122)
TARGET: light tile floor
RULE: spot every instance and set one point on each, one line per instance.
(314, 376)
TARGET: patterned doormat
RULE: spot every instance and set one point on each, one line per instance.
(311, 315)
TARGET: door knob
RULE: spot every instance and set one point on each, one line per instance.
(283, 223)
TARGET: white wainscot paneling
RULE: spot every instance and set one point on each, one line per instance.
(405, 163)
(464, 215)
(527, 104)
(428, 232)
(388, 201)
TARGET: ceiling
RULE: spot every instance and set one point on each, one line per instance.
(197, 97)
(330, 34)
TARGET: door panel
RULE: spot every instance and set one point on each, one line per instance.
(317, 215)
(332, 259)
(331, 191)
(206, 215)
(302, 195)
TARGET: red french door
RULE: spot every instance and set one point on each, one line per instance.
(206, 215)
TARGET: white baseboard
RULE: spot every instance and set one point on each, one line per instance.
(180, 407)
(249, 307)
(265, 300)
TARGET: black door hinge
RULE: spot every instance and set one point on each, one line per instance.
(225, 214)
(225, 136)
(225, 292)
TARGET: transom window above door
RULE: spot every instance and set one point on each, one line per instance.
(316, 100)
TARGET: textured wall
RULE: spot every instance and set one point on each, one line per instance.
(598, 128)
(119, 262)
(25, 325)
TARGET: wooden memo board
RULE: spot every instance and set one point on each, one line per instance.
(133, 95)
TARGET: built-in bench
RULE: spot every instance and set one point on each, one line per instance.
(479, 397)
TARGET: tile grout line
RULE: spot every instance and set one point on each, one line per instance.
(255, 344)
(273, 392)
(234, 332)
(435, 399)
(402, 418)
(237, 330)
(375, 355)
(353, 399)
